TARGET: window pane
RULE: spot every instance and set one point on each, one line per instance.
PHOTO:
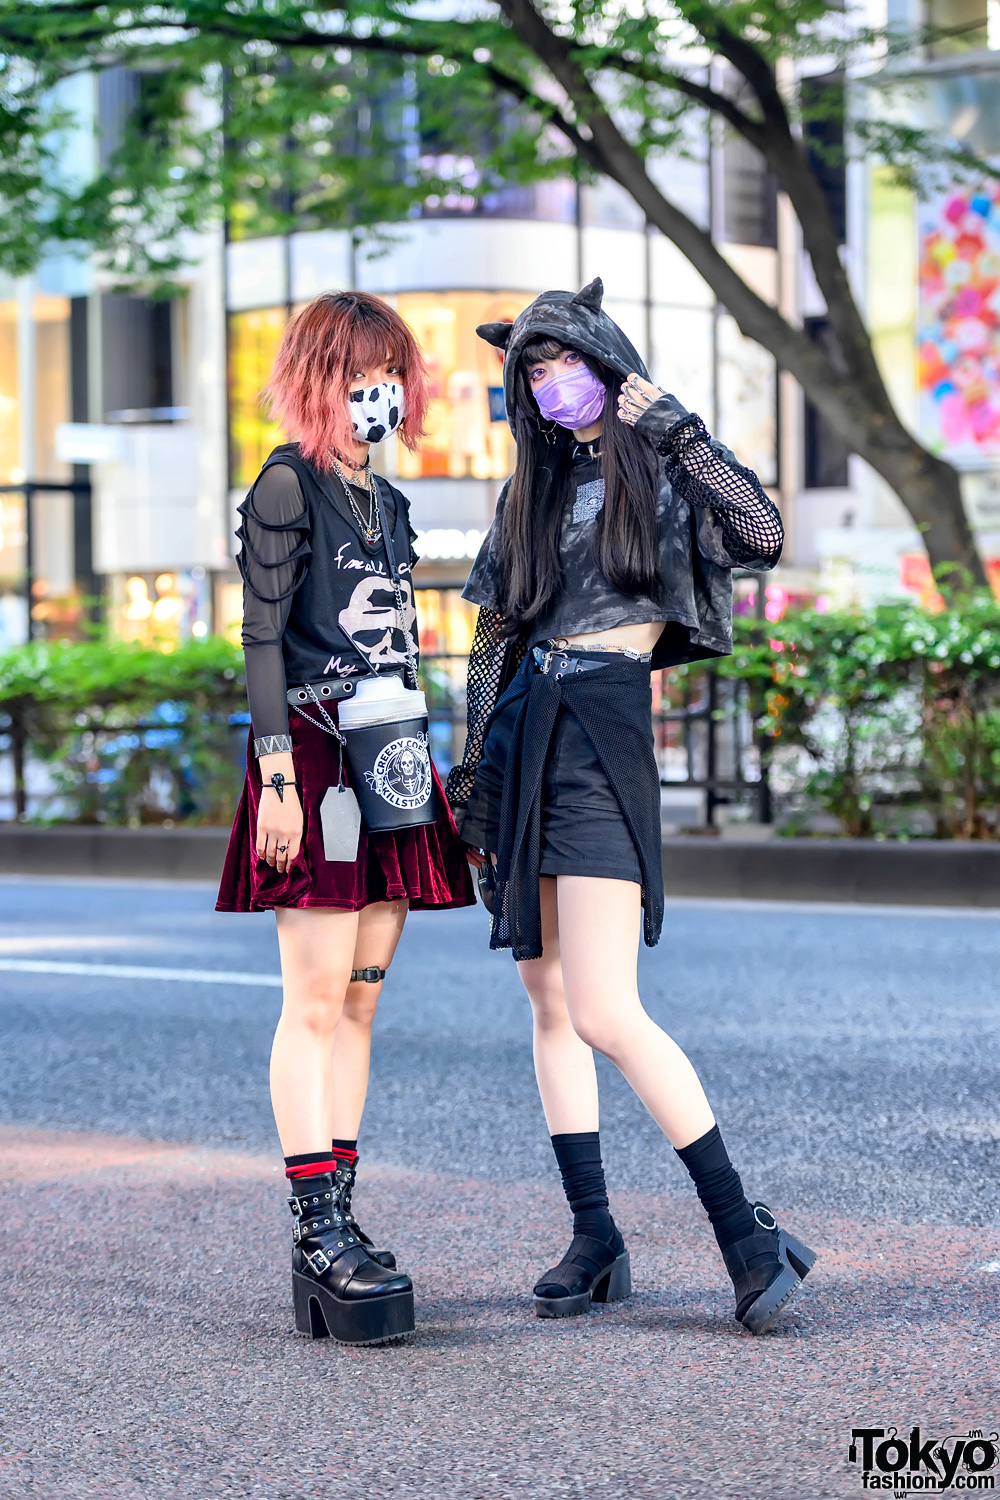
(749, 201)
(467, 434)
(253, 346)
(52, 403)
(825, 455)
(747, 406)
(10, 438)
(682, 356)
(823, 130)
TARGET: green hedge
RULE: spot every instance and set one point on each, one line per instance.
(888, 719)
(130, 734)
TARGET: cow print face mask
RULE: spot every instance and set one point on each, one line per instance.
(376, 411)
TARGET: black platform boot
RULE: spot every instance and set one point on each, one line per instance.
(338, 1290)
(767, 1268)
(347, 1177)
(590, 1271)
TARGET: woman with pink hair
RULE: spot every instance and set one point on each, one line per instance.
(326, 560)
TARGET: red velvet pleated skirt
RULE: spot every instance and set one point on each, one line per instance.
(427, 865)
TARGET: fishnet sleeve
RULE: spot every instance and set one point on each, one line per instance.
(743, 528)
(493, 660)
(707, 474)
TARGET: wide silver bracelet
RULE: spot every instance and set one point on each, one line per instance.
(272, 744)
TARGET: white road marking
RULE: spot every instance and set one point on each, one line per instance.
(75, 943)
(134, 971)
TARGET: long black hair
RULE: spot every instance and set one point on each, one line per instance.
(626, 544)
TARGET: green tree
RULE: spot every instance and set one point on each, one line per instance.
(320, 99)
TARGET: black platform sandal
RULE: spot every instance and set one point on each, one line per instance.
(767, 1268)
(338, 1290)
(347, 1177)
(590, 1271)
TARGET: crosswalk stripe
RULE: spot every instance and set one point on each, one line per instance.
(136, 971)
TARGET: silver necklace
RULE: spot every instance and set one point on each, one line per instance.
(369, 528)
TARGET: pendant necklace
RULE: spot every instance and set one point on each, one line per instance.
(370, 529)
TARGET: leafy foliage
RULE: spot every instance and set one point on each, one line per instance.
(357, 113)
(887, 719)
(873, 712)
(130, 733)
(361, 112)
(277, 118)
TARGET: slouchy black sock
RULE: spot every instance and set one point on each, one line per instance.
(719, 1187)
(579, 1158)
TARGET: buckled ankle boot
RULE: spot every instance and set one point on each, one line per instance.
(338, 1291)
(347, 1177)
(590, 1271)
(767, 1268)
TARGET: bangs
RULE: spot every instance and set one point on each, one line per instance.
(542, 348)
(372, 338)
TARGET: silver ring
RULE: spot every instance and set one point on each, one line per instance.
(282, 848)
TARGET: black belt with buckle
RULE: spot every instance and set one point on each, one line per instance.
(341, 687)
(556, 664)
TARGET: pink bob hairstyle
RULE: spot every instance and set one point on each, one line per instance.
(322, 350)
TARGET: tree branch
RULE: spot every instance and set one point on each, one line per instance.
(699, 93)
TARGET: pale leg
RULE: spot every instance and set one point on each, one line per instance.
(379, 931)
(564, 1065)
(599, 929)
(318, 951)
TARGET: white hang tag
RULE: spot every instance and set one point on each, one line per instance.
(340, 817)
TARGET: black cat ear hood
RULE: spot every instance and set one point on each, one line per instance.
(575, 320)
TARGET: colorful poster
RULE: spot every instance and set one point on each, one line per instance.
(959, 323)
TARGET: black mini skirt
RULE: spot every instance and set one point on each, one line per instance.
(582, 828)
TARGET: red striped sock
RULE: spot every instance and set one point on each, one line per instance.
(312, 1164)
(346, 1152)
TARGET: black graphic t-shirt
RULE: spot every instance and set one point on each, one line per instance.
(318, 601)
(585, 601)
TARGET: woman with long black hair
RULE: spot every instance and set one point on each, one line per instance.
(610, 555)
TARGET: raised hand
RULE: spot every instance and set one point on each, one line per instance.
(635, 397)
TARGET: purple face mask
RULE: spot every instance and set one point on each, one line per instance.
(574, 398)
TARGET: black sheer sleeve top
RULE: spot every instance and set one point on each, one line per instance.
(273, 560)
(318, 601)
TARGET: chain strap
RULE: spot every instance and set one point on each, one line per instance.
(390, 557)
(411, 658)
(328, 726)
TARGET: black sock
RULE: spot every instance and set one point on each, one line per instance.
(345, 1151)
(310, 1164)
(719, 1187)
(579, 1158)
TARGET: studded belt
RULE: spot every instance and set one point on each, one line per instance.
(556, 664)
(336, 687)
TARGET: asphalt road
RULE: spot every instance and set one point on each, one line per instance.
(853, 1058)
